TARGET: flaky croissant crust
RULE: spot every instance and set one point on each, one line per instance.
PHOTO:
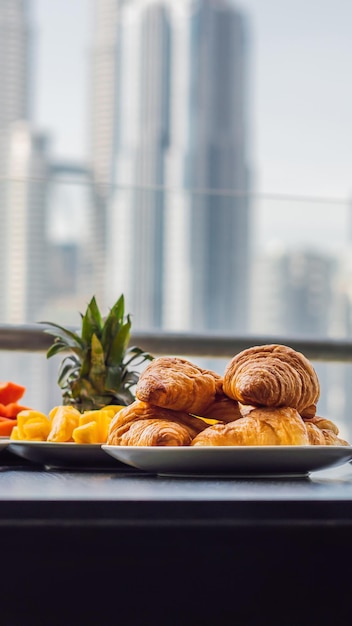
(141, 424)
(272, 375)
(223, 409)
(268, 426)
(156, 432)
(142, 411)
(266, 397)
(177, 384)
(323, 432)
(261, 427)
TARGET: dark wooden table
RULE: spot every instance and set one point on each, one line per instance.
(127, 548)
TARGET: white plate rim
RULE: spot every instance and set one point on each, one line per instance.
(34, 443)
(216, 448)
(62, 454)
(159, 459)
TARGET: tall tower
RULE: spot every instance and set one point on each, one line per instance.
(103, 111)
(14, 97)
(24, 289)
(209, 232)
(14, 68)
(103, 102)
(178, 251)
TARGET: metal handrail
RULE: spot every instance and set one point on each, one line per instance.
(32, 338)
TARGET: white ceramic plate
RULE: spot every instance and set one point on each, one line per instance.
(64, 455)
(231, 460)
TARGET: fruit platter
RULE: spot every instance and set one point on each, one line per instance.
(123, 405)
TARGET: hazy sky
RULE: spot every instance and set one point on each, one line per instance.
(62, 50)
(300, 89)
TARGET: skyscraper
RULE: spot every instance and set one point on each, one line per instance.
(30, 184)
(104, 61)
(14, 70)
(178, 251)
(297, 291)
(25, 239)
(103, 110)
(14, 97)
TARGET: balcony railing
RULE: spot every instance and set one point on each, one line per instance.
(32, 338)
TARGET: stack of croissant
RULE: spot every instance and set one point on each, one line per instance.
(267, 396)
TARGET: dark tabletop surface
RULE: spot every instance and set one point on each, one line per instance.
(30, 491)
(25, 483)
(113, 531)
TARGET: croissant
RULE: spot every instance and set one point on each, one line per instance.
(261, 427)
(124, 429)
(178, 384)
(272, 375)
(223, 409)
(323, 432)
(156, 432)
(322, 423)
(309, 412)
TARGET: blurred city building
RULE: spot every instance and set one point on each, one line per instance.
(103, 60)
(24, 246)
(159, 211)
(302, 293)
(180, 103)
(45, 213)
(70, 233)
(291, 292)
(15, 45)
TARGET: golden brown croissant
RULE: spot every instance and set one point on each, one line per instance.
(272, 375)
(261, 427)
(151, 416)
(322, 422)
(223, 409)
(156, 432)
(177, 384)
(309, 411)
(244, 409)
(323, 432)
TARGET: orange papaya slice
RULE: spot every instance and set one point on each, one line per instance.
(6, 426)
(10, 392)
(11, 410)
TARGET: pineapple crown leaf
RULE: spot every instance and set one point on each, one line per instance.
(119, 343)
(118, 309)
(97, 353)
(97, 370)
(113, 324)
(124, 396)
(113, 378)
(130, 378)
(110, 328)
(100, 368)
(92, 322)
(85, 364)
(136, 354)
(58, 346)
(82, 388)
(67, 371)
(67, 337)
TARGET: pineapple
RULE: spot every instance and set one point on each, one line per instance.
(100, 367)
